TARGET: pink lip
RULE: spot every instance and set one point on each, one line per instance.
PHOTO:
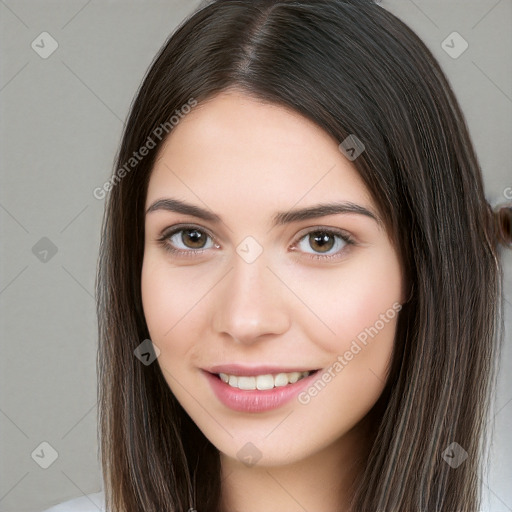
(255, 400)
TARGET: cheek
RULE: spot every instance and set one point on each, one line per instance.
(168, 304)
(163, 308)
(359, 302)
(157, 301)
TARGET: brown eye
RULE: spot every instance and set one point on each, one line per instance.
(187, 241)
(193, 238)
(321, 242)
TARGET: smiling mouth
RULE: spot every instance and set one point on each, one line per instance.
(263, 382)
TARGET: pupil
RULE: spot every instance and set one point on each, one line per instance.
(194, 236)
(322, 240)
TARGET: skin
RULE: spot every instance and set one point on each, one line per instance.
(245, 160)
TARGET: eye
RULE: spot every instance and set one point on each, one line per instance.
(325, 243)
(186, 240)
(193, 241)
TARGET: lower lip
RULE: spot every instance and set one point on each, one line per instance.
(255, 400)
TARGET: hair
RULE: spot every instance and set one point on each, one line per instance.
(351, 67)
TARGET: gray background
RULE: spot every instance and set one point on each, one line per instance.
(61, 122)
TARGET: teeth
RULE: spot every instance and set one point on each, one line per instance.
(281, 379)
(294, 377)
(245, 382)
(262, 382)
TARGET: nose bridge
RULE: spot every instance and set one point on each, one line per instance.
(251, 303)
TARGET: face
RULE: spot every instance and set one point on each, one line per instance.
(246, 279)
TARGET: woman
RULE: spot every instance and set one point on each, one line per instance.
(299, 287)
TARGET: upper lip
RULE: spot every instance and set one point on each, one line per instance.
(263, 369)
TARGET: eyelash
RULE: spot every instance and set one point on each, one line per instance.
(163, 240)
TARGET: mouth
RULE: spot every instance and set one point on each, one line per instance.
(256, 390)
(263, 382)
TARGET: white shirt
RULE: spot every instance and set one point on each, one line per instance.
(87, 503)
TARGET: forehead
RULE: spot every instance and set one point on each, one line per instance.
(234, 149)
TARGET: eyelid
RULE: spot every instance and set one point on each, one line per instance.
(176, 228)
(324, 229)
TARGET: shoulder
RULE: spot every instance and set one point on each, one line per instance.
(87, 503)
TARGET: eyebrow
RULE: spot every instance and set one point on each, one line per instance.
(280, 218)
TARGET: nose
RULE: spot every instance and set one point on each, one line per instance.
(251, 303)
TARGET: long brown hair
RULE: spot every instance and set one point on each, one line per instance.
(352, 68)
